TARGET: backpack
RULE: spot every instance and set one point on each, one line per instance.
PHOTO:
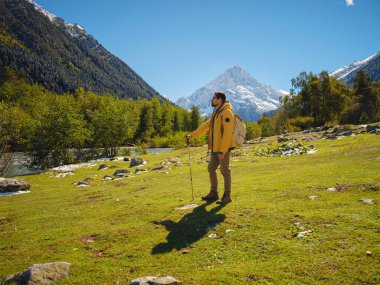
(239, 131)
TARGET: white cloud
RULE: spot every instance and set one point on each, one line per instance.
(350, 2)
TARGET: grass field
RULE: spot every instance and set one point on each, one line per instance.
(115, 231)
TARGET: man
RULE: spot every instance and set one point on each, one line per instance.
(220, 142)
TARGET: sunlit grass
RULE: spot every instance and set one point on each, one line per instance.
(119, 230)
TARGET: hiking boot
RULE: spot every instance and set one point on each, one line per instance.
(225, 199)
(212, 196)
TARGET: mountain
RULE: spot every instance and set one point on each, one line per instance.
(62, 56)
(249, 97)
(371, 65)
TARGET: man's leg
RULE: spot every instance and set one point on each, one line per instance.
(212, 166)
(225, 170)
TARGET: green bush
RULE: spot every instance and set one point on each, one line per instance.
(302, 123)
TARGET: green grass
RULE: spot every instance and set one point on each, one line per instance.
(136, 231)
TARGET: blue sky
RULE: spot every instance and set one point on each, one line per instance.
(178, 46)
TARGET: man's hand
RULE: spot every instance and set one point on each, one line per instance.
(187, 138)
(221, 156)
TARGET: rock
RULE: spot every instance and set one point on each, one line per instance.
(185, 207)
(367, 201)
(82, 184)
(13, 185)
(304, 233)
(174, 160)
(103, 166)
(107, 178)
(282, 139)
(346, 134)
(140, 170)
(372, 128)
(39, 274)
(369, 253)
(121, 172)
(229, 230)
(136, 161)
(63, 174)
(313, 197)
(126, 159)
(332, 137)
(213, 236)
(332, 189)
(153, 280)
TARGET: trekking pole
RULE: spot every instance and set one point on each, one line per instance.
(191, 175)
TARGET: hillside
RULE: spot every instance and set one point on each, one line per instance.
(62, 56)
(115, 231)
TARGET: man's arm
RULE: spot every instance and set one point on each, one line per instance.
(201, 129)
(228, 126)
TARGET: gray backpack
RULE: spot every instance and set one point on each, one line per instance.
(240, 130)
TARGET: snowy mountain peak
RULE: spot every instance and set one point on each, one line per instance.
(346, 73)
(74, 30)
(51, 16)
(249, 97)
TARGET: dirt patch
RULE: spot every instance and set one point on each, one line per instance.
(86, 239)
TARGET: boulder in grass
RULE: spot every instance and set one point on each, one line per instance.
(103, 166)
(82, 184)
(121, 172)
(372, 128)
(37, 274)
(368, 201)
(136, 161)
(153, 280)
(106, 178)
(13, 185)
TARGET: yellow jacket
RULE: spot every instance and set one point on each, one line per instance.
(219, 127)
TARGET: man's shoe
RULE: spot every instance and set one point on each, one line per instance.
(225, 200)
(212, 196)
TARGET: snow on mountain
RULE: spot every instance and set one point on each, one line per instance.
(284, 92)
(347, 73)
(250, 99)
(74, 30)
(51, 16)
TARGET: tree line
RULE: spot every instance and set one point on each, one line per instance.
(55, 127)
(317, 100)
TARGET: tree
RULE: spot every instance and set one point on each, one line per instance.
(195, 118)
(367, 99)
(176, 121)
(61, 128)
(266, 126)
(114, 123)
(146, 129)
(166, 127)
(253, 130)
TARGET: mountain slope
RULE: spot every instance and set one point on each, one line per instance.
(249, 97)
(62, 56)
(371, 65)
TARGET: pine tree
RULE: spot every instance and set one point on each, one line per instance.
(195, 118)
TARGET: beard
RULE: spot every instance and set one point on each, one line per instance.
(212, 104)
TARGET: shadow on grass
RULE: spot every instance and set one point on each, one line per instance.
(189, 229)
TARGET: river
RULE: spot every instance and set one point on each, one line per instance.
(21, 162)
